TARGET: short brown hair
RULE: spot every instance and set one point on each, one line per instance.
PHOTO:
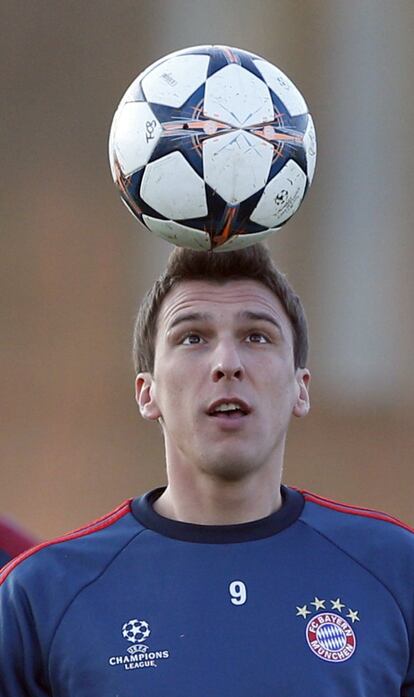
(254, 263)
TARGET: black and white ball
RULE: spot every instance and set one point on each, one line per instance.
(212, 148)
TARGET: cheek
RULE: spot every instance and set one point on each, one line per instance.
(171, 393)
(277, 387)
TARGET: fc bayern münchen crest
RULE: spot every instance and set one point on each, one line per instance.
(330, 637)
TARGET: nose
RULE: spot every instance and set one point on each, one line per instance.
(227, 364)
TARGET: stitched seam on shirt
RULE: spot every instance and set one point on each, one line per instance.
(89, 583)
(384, 585)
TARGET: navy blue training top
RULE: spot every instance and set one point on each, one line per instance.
(315, 599)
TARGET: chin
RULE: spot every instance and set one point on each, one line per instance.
(229, 470)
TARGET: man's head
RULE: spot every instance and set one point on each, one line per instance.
(220, 353)
(254, 263)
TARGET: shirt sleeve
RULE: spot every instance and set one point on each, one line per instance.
(21, 663)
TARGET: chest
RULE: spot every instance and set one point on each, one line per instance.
(210, 622)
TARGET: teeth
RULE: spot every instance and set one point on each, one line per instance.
(229, 406)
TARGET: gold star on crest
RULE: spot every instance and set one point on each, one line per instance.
(319, 604)
(353, 615)
(337, 605)
(303, 611)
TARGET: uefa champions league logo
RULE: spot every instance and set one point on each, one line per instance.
(138, 656)
(136, 631)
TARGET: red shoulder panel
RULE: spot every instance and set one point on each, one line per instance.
(13, 539)
(93, 526)
(354, 510)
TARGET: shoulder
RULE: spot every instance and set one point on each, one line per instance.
(88, 546)
(38, 588)
(337, 515)
(377, 541)
(365, 544)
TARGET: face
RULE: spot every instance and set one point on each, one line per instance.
(224, 386)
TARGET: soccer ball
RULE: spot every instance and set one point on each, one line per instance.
(136, 631)
(212, 148)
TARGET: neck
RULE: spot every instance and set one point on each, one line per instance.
(211, 501)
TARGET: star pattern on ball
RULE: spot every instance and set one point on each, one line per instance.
(212, 146)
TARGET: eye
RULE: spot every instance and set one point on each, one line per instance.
(191, 339)
(257, 338)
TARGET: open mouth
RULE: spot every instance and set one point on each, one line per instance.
(228, 409)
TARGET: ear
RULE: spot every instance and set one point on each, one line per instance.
(302, 404)
(145, 397)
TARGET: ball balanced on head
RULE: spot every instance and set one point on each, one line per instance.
(212, 147)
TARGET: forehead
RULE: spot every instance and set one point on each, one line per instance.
(220, 300)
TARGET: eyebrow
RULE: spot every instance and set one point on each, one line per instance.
(191, 317)
(243, 314)
(261, 316)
